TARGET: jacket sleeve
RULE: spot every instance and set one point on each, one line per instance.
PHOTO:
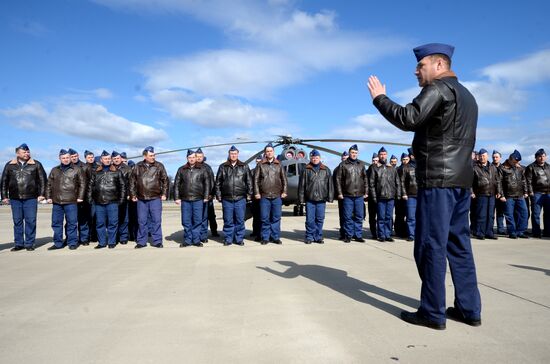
(5, 192)
(284, 180)
(89, 191)
(42, 180)
(122, 186)
(330, 186)
(219, 182)
(82, 184)
(302, 186)
(207, 183)
(403, 177)
(365, 179)
(338, 180)
(414, 115)
(49, 185)
(132, 181)
(398, 184)
(257, 172)
(529, 178)
(372, 185)
(177, 182)
(163, 181)
(525, 184)
(249, 181)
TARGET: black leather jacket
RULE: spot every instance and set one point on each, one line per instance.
(444, 119)
(384, 183)
(192, 183)
(315, 185)
(513, 180)
(23, 181)
(538, 178)
(409, 186)
(270, 179)
(352, 179)
(486, 180)
(212, 179)
(148, 181)
(234, 183)
(65, 187)
(106, 186)
(126, 172)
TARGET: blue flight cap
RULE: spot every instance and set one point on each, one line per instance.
(404, 155)
(123, 155)
(87, 153)
(115, 154)
(393, 157)
(516, 155)
(72, 151)
(375, 155)
(63, 152)
(233, 149)
(354, 147)
(189, 152)
(539, 152)
(496, 152)
(344, 153)
(269, 145)
(131, 163)
(149, 149)
(482, 151)
(259, 157)
(97, 160)
(382, 150)
(23, 146)
(433, 48)
(105, 153)
(410, 151)
(199, 151)
(314, 153)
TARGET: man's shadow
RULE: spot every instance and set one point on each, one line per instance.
(339, 281)
(545, 271)
(38, 242)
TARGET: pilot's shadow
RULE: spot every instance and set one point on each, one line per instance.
(339, 281)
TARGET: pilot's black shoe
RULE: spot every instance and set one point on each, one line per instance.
(138, 246)
(320, 241)
(85, 243)
(225, 243)
(523, 236)
(99, 247)
(390, 240)
(410, 238)
(455, 314)
(264, 242)
(491, 237)
(17, 248)
(124, 242)
(415, 319)
(479, 237)
(240, 243)
(53, 247)
(277, 241)
(258, 238)
(512, 236)
(347, 240)
(360, 240)
(198, 244)
(112, 246)
(73, 247)
(381, 240)
(30, 249)
(158, 246)
(308, 242)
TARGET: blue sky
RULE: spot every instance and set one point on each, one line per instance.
(124, 74)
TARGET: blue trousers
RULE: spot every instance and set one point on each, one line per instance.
(106, 223)
(233, 220)
(485, 210)
(516, 215)
(191, 220)
(85, 214)
(411, 216)
(354, 214)
(149, 221)
(204, 222)
(539, 202)
(385, 218)
(60, 213)
(123, 221)
(315, 217)
(443, 233)
(500, 207)
(271, 211)
(24, 221)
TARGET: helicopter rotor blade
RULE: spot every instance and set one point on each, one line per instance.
(203, 146)
(331, 151)
(357, 141)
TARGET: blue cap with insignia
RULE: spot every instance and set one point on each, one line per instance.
(149, 149)
(482, 151)
(72, 151)
(189, 152)
(199, 151)
(314, 153)
(344, 153)
(382, 150)
(410, 151)
(404, 155)
(354, 147)
(269, 145)
(375, 155)
(131, 163)
(87, 153)
(105, 153)
(63, 152)
(233, 149)
(516, 155)
(23, 146)
(496, 152)
(115, 154)
(540, 152)
(393, 157)
(123, 155)
(433, 48)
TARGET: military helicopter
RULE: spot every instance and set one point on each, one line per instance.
(292, 157)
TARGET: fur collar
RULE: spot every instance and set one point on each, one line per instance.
(310, 166)
(30, 161)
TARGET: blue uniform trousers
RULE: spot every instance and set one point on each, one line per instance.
(23, 212)
(149, 214)
(271, 211)
(442, 233)
(516, 215)
(60, 213)
(500, 207)
(354, 214)
(106, 223)
(411, 216)
(385, 218)
(341, 218)
(539, 202)
(123, 219)
(85, 214)
(233, 220)
(485, 209)
(191, 219)
(204, 223)
(315, 217)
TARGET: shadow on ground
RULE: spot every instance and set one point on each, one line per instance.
(545, 271)
(37, 243)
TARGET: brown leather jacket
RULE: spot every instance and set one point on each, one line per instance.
(65, 187)
(148, 181)
(270, 179)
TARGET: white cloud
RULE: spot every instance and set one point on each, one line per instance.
(83, 119)
(531, 69)
(98, 93)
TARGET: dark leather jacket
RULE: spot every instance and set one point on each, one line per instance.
(234, 183)
(538, 178)
(148, 181)
(270, 179)
(384, 183)
(315, 185)
(486, 180)
(513, 180)
(65, 187)
(212, 179)
(23, 181)
(126, 172)
(192, 183)
(352, 179)
(106, 186)
(408, 180)
(444, 119)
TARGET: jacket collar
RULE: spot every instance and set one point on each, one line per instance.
(310, 166)
(275, 161)
(112, 168)
(228, 163)
(188, 166)
(15, 161)
(448, 73)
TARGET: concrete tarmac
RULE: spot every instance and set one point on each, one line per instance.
(294, 303)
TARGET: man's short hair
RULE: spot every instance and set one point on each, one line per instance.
(444, 57)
